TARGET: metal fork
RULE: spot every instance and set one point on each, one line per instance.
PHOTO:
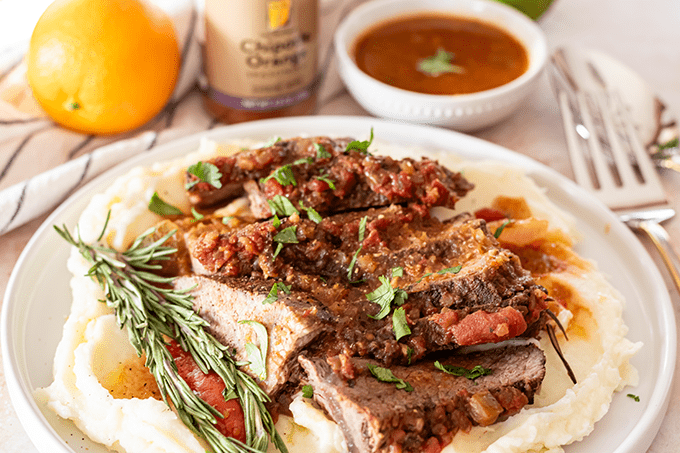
(608, 157)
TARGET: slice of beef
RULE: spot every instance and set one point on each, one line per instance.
(257, 163)
(377, 416)
(343, 180)
(324, 249)
(292, 320)
(489, 299)
(354, 180)
(394, 236)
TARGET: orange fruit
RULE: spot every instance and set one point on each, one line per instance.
(103, 66)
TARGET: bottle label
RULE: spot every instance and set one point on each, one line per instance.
(260, 54)
(257, 103)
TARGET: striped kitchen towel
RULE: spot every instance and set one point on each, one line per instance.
(42, 164)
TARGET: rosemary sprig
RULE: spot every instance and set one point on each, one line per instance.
(150, 309)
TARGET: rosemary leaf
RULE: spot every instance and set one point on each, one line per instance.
(150, 310)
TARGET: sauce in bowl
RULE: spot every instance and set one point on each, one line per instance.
(440, 54)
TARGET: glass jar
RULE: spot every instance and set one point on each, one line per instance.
(260, 58)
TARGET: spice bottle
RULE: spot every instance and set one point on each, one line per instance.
(260, 58)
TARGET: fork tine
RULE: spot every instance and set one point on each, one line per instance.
(632, 192)
(607, 123)
(602, 170)
(619, 154)
(576, 156)
(647, 169)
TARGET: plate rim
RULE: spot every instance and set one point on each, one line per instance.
(38, 428)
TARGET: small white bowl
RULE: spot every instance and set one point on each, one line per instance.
(465, 112)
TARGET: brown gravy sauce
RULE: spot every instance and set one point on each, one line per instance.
(391, 51)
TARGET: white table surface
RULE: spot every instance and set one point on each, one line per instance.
(643, 34)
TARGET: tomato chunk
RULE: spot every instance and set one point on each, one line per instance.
(210, 387)
(490, 214)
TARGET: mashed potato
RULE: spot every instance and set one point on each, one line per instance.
(94, 356)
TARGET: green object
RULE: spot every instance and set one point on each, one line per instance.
(439, 63)
(532, 8)
(362, 147)
(151, 310)
(161, 207)
(205, 172)
(280, 205)
(386, 375)
(399, 323)
(307, 391)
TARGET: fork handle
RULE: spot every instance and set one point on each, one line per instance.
(661, 241)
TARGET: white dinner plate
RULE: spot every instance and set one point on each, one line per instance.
(38, 296)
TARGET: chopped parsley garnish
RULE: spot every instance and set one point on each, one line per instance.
(311, 213)
(282, 206)
(634, 397)
(205, 172)
(362, 228)
(500, 229)
(307, 391)
(271, 142)
(304, 160)
(258, 356)
(283, 175)
(448, 270)
(439, 63)
(400, 296)
(158, 206)
(399, 324)
(362, 233)
(361, 146)
(386, 375)
(327, 180)
(384, 295)
(276, 221)
(472, 374)
(197, 215)
(226, 220)
(321, 152)
(286, 236)
(274, 292)
(409, 354)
